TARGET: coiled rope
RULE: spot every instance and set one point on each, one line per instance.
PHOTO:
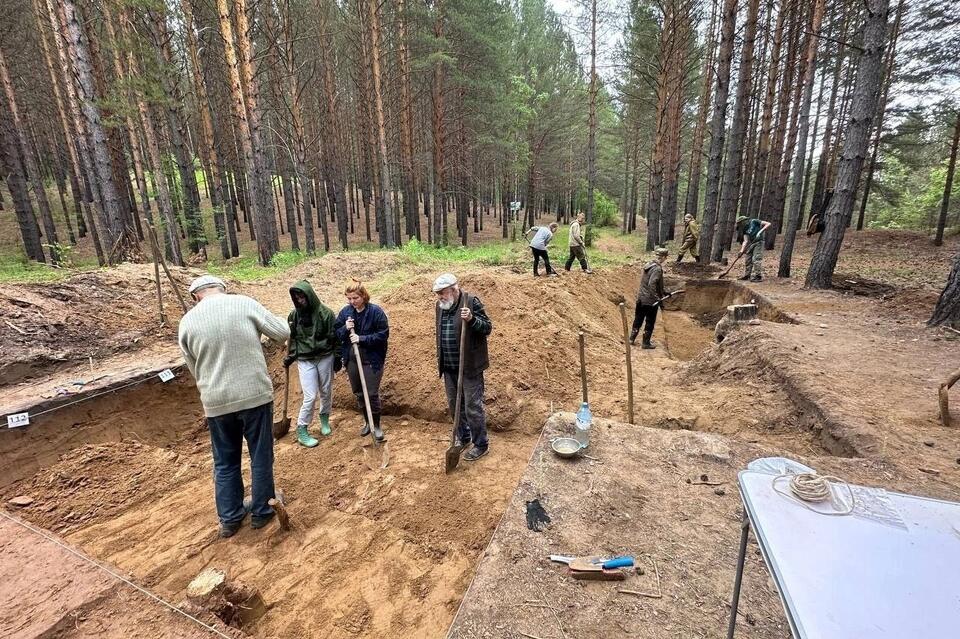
(807, 488)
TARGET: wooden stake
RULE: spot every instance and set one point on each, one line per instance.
(944, 397)
(583, 367)
(163, 263)
(626, 349)
(156, 277)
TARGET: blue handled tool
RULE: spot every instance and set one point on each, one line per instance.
(618, 562)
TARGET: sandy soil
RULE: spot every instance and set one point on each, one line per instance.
(377, 553)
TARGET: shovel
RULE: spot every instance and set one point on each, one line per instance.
(739, 255)
(454, 452)
(282, 427)
(385, 457)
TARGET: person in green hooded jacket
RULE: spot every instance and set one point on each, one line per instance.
(313, 346)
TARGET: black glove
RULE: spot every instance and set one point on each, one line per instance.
(289, 360)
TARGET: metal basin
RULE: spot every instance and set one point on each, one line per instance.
(566, 447)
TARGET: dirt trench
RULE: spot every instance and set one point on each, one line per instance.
(378, 553)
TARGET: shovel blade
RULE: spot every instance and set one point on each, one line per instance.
(453, 458)
(281, 428)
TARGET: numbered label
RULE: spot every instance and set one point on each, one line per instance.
(18, 420)
(166, 375)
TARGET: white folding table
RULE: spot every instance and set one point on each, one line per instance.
(852, 577)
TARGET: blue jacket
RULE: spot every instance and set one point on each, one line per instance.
(372, 327)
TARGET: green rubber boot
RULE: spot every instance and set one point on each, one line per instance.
(304, 437)
(324, 425)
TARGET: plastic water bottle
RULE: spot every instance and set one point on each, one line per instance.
(582, 425)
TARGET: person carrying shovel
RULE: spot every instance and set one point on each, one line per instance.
(313, 344)
(752, 247)
(364, 324)
(649, 297)
(461, 314)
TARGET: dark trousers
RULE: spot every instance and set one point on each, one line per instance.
(539, 254)
(577, 252)
(372, 378)
(648, 314)
(227, 433)
(473, 421)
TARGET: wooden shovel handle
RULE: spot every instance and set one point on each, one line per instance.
(363, 385)
(463, 351)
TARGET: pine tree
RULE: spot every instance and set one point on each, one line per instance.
(862, 113)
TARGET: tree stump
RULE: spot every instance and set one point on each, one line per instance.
(235, 604)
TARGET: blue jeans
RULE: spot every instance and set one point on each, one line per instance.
(227, 433)
(473, 421)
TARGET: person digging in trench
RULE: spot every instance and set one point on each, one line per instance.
(752, 247)
(453, 308)
(649, 297)
(370, 331)
(691, 237)
(313, 346)
(541, 238)
(577, 245)
(220, 341)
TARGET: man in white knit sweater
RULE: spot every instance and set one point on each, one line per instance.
(220, 341)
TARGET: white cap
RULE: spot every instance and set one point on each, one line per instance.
(444, 281)
(205, 281)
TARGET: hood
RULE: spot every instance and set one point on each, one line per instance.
(303, 286)
(650, 265)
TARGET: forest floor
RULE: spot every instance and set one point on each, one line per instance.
(843, 380)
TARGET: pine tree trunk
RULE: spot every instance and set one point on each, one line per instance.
(177, 137)
(948, 185)
(766, 120)
(863, 111)
(68, 137)
(888, 80)
(694, 176)
(406, 125)
(333, 167)
(796, 200)
(259, 178)
(825, 147)
(112, 230)
(11, 165)
(387, 229)
(592, 118)
(947, 310)
(733, 169)
(436, 91)
(717, 129)
(91, 191)
(208, 151)
(780, 186)
(29, 162)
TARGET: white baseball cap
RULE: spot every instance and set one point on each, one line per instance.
(205, 281)
(444, 281)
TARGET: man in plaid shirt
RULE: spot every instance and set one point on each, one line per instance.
(455, 307)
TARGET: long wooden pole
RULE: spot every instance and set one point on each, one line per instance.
(583, 367)
(626, 349)
(156, 278)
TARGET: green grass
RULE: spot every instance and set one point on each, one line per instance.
(23, 271)
(248, 269)
(489, 254)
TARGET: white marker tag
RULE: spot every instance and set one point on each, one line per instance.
(18, 420)
(166, 375)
